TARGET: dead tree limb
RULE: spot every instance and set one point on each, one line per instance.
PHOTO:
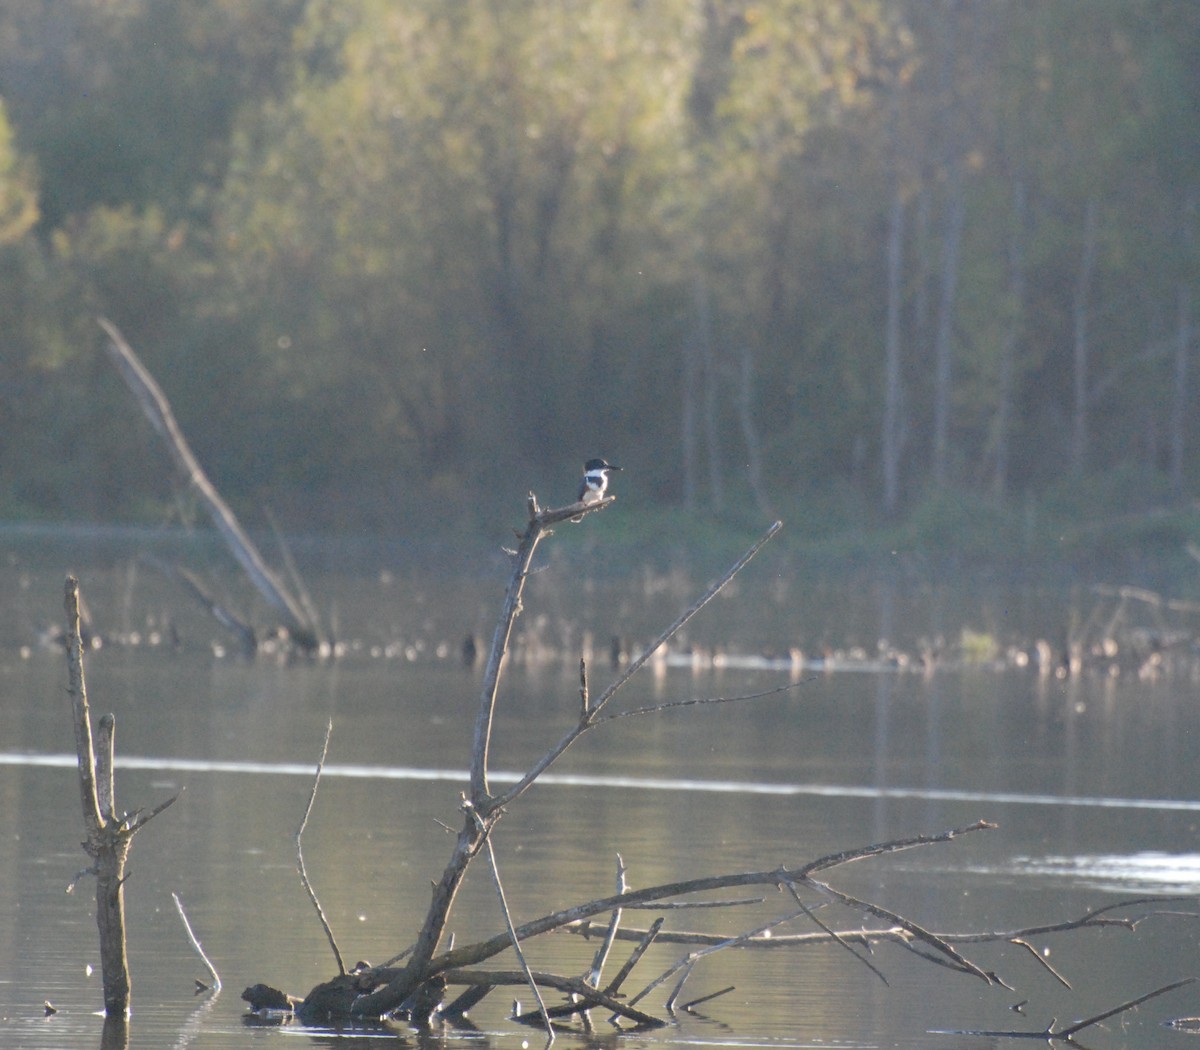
(590, 717)
(589, 997)
(417, 985)
(1093, 919)
(305, 632)
(300, 866)
(1051, 1034)
(234, 624)
(481, 810)
(109, 837)
(195, 943)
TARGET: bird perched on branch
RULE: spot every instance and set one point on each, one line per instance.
(594, 486)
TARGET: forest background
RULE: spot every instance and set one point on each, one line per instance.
(899, 271)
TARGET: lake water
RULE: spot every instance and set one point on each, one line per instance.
(1092, 780)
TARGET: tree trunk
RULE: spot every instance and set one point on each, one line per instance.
(1183, 353)
(893, 387)
(1079, 356)
(750, 434)
(1012, 339)
(943, 374)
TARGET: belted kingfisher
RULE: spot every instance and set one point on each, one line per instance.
(594, 486)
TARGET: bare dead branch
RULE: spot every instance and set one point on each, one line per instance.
(956, 960)
(815, 920)
(187, 926)
(635, 956)
(833, 860)
(109, 837)
(157, 409)
(1079, 1026)
(598, 703)
(588, 997)
(191, 583)
(700, 701)
(706, 998)
(1066, 1035)
(300, 867)
(516, 944)
(138, 821)
(614, 924)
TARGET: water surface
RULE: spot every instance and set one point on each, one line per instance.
(1092, 781)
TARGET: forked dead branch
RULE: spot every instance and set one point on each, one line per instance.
(414, 984)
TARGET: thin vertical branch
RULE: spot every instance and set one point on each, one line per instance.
(491, 674)
(195, 941)
(586, 722)
(308, 888)
(610, 935)
(516, 941)
(82, 720)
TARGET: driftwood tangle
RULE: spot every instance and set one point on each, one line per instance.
(414, 983)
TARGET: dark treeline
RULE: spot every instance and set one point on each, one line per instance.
(393, 258)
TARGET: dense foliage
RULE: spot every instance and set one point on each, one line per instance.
(394, 259)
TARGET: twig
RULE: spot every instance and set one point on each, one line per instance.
(516, 943)
(833, 860)
(1040, 959)
(1066, 1033)
(614, 923)
(589, 996)
(289, 564)
(187, 926)
(698, 701)
(597, 705)
(690, 960)
(841, 942)
(706, 998)
(308, 888)
(957, 960)
(635, 956)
